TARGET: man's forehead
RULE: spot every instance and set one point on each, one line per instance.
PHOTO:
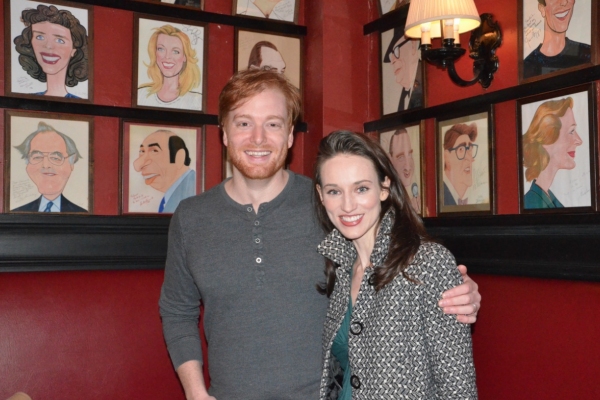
(48, 137)
(269, 52)
(464, 139)
(401, 139)
(241, 107)
(157, 137)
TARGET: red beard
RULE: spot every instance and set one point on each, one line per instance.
(251, 171)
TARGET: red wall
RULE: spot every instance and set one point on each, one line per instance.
(97, 334)
(537, 339)
(84, 335)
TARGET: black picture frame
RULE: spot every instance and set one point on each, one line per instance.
(285, 53)
(140, 164)
(388, 6)
(26, 183)
(578, 29)
(472, 178)
(283, 10)
(67, 67)
(188, 39)
(402, 78)
(407, 154)
(564, 174)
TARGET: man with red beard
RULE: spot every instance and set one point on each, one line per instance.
(246, 249)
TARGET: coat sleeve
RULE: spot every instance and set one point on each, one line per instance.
(179, 302)
(448, 342)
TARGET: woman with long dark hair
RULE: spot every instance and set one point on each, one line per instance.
(384, 335)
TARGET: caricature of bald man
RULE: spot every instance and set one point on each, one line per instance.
(164, 162)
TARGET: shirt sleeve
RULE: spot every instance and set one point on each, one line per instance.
(179, 303)
(448, 341)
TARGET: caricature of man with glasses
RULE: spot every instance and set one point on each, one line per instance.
(50, 157)
(404, 57)
(459, 153)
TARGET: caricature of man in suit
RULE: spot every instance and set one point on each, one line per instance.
(404, 57)
(164, 164)
(556, 51)
(265, 55)
(50, 157)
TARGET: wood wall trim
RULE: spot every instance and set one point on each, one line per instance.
(195, 14)
(542, 246)
(573, 78)
(66, 242)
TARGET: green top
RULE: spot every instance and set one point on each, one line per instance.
(339, 349)
(537, 198)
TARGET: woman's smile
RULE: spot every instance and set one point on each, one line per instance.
(351, 220)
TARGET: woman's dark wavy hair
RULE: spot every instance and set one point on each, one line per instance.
(77, 71)
(407, 230)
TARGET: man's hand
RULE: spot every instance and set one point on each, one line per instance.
(190, 375)
(463, 300)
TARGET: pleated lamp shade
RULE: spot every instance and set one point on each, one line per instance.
(436, 11)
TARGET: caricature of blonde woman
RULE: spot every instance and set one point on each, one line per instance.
(174, 72)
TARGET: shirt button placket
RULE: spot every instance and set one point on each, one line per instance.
(257, 240)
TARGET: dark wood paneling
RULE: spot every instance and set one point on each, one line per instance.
(185, 118)
(558, 246)
(573, 78)
(32, 104)
(546, 246)
(194, 14)
(388, 21)
(66, 242)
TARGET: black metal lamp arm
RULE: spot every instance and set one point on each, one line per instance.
(482, 49)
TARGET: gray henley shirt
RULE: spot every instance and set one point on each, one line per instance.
(255, 273)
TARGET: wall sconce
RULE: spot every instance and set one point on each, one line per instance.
(429, 19)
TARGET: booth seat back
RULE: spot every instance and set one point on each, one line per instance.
(84, 335)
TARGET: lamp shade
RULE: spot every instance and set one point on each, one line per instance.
(436, 11)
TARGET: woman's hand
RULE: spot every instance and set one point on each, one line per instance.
(463, 300)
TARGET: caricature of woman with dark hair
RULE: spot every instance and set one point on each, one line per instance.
(53, 49)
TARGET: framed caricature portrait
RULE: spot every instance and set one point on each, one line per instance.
(404, 146)
(465, 164)
(48, 163)
(386, 6)
(160, 166)
(557, 143)
(281, 10)
(49, 50)
(184, 3)
(556, 37)
(402, 72)
(169, 64)
(280, 53)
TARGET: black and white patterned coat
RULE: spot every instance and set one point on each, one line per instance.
(401, 344)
